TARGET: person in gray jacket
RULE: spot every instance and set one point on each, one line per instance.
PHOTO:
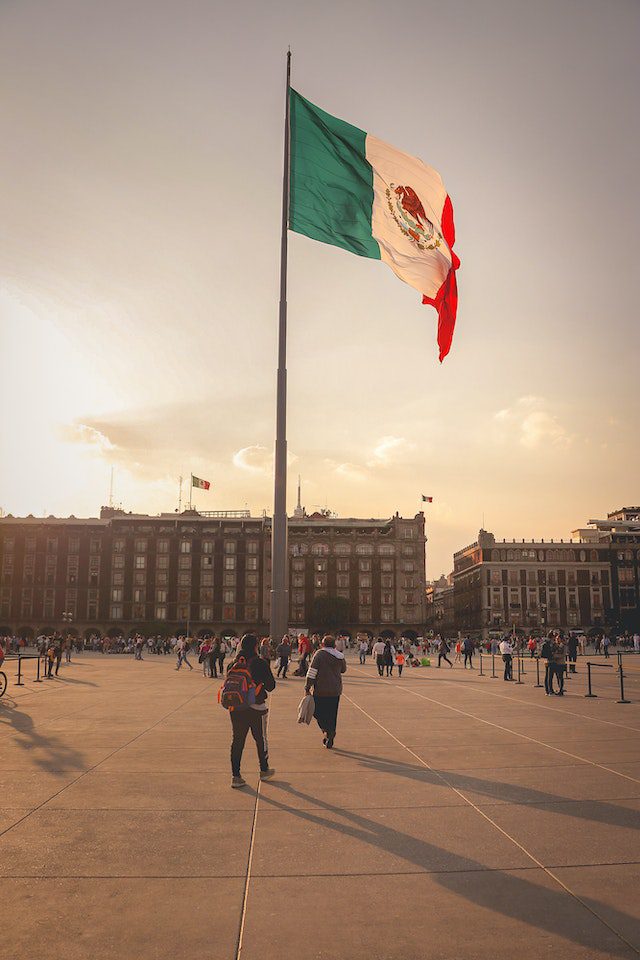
(324, 679)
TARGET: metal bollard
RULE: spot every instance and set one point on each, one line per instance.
(38, 678)
(493, 667)
(518, 680)
(538, 684)
(621, 673)
(589, 694)
(19, 682)
(481, 673)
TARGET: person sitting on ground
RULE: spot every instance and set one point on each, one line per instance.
(324, 678)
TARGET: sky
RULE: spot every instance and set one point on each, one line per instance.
(141, 165)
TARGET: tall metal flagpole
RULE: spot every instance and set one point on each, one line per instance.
(279, 566)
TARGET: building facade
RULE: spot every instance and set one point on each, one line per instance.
(620, 532)
(439, 610)
(123, 573)
(531, 585)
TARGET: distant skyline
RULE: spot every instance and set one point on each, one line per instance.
(139, 241)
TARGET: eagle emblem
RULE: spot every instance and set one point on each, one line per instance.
(408, 212)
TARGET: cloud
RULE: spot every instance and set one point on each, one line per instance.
(350, 471)
(389, 450)
(90, 437)
(529, 423)
(257, 459)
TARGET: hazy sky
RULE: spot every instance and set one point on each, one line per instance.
(141, 166)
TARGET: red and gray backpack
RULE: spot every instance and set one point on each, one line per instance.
(239, 690)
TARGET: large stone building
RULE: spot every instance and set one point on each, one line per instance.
(127, 572)
(531, 585)
(439, 610)
(620, 532)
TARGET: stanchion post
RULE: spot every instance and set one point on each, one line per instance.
(38, 679)
(19, 682)
(493, 667)
(621, 672)
(481, 673)
(518, 659)
(538, 684)
(589, 694)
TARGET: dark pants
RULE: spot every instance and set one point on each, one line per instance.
(380, 665)
(363, 656)
(221, 665)
(242, 721)
(508, 666)
(389, 668)
(212, 665)
(49, 668)
(573, 659)
(58, 662)
(400, 666)
(282, 669)
(443, 656)
(548, 678)
(326, 713)
(558, 672)
(468, 658)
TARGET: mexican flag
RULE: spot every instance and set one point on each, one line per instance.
(354, 191)
(201, 484)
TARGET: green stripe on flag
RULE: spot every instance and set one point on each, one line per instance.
(331, 188)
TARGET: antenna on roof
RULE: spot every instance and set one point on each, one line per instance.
(111, 489)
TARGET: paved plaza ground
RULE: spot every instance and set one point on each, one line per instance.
(458, 817)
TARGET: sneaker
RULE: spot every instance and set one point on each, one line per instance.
(237, 782)
(267, 774)
(329, 743)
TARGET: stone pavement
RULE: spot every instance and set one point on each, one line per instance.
(457, 817)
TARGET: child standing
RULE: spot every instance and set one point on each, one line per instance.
(400, 661)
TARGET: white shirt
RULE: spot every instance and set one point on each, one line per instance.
(378, 648)
(505, 648)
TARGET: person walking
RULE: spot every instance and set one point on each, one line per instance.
(506, 649)
(443, 650)
(58, 653)
(468, 650)
(532, 645)
(606, 643)
(67, 650)
(214, 658)
(389, 654)
(378, 653)
(181, 650)
(283, 652)
(457, 657)
(223, 650)
(559, 663)
(572, 652)
(51, 655)
(400, 661)
(546, 654)
(324, 679)
(304, 649)
(251, 718)
(203, 656)
(363, 649)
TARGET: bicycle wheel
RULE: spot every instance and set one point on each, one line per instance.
(3, 683)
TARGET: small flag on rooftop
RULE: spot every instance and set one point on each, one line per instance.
(427, 499)
(200, 484)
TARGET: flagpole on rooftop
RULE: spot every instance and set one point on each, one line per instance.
(279, 578)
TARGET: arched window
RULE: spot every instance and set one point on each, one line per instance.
(364, 549)
(320, 549)
(342, 548)
(386, 549)
(495, 554)
(509, 554)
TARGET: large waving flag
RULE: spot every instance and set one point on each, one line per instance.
(354, 191)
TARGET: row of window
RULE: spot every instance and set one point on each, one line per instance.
(344, 549)
(185, 546)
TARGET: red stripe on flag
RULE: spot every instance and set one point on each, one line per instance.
(446, 299)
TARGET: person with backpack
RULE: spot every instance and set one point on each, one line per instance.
(324, 678)
(443, 650)
(244, 695)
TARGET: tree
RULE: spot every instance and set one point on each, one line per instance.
(327, 613)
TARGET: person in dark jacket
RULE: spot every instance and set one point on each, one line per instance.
(468, 650)
(572, 651)
(546, 654)
(253, 718)
(324, 678)
(283, 652)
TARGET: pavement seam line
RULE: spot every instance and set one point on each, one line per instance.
(96, 765)
(254, 826)
(497, 826)
(515, 733)
(523, 736)
(544, 706)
